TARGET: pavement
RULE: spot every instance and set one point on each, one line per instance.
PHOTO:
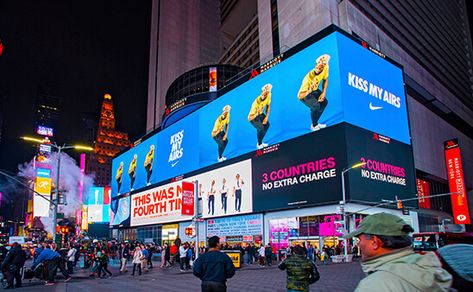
(333, 277)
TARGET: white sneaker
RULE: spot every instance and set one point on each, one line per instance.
(313, 129)
(259, 146)
(148, 184)
(321, 126)
(264, 145)
(224, 158)
(132, 189)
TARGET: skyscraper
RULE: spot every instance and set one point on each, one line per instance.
(107, 144)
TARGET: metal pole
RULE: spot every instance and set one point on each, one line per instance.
(56, 199)
(196, 217)
(345, 248)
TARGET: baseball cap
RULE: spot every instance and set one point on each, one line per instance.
(382, 224)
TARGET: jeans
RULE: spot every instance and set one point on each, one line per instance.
(70, 265)
(104, 268)
(221, 143)
(14, 274)
(224, 202)
(53, 265)
(261, 128)
(209, 286)
(237, 200)
(316, 107)
(211, 204)
(182, 262)
(134, 268)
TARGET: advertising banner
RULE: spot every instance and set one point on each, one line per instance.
(280, 231)
(308, 168)
(373, 91)
(245, 226)
(98, 204)
(135, 168)
(157, 205)
(423, 193)
(40, 206)
(456, 182)
(226, 190)
(389, 169)
(188, 195)
(332, 226)
(120, 207)
(213, 79)
(43, 185)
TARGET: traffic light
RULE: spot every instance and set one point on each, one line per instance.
(399, 203)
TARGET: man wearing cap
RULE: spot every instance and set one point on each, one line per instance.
(389, 261)
(213, 268)
(220, 131)
(259, 114)
(310, 94)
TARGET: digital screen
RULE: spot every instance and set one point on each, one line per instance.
(308, 168)
(135, 168)
(98, 204)
(44, 131)
(332, 81)
(389, 169)
(120, 208)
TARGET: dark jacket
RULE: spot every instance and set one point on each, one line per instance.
(214, 266)
(16, 256)
(299, 269)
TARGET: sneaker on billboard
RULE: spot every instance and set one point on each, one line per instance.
(259, 146)
(313, 129)
(264, 145)
(321, 126)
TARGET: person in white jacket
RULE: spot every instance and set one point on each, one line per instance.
(182, 256)
(71, 256)
(137, 260)
(261, 255)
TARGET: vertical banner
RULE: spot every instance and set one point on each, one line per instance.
(212, 79)
(456, 182)
(187, 199)
(423, 193)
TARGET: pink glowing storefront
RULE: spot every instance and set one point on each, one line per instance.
(309, 229)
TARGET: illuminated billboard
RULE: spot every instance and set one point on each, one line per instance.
(120, 209)
(98, 204)
(307, 170)
(328, 82)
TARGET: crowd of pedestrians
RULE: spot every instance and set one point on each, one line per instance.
(383, 240)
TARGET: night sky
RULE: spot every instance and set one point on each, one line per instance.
(75, 50)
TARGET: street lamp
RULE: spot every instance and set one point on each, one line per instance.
(59, 149)
(343, 202)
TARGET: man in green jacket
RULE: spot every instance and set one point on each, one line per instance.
(301, 272)
(389, 261)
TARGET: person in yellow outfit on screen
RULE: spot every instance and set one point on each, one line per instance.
(132, 171)
(220, 131)
(310, 94)
(259, 114)
(118, 177)
(149, 164)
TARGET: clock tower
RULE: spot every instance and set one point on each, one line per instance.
(107, 144)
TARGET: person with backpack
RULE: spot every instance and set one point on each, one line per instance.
(301, 272)
(13, 262)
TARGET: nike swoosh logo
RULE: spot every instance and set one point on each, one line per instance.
(373, 108)
(174, 164)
